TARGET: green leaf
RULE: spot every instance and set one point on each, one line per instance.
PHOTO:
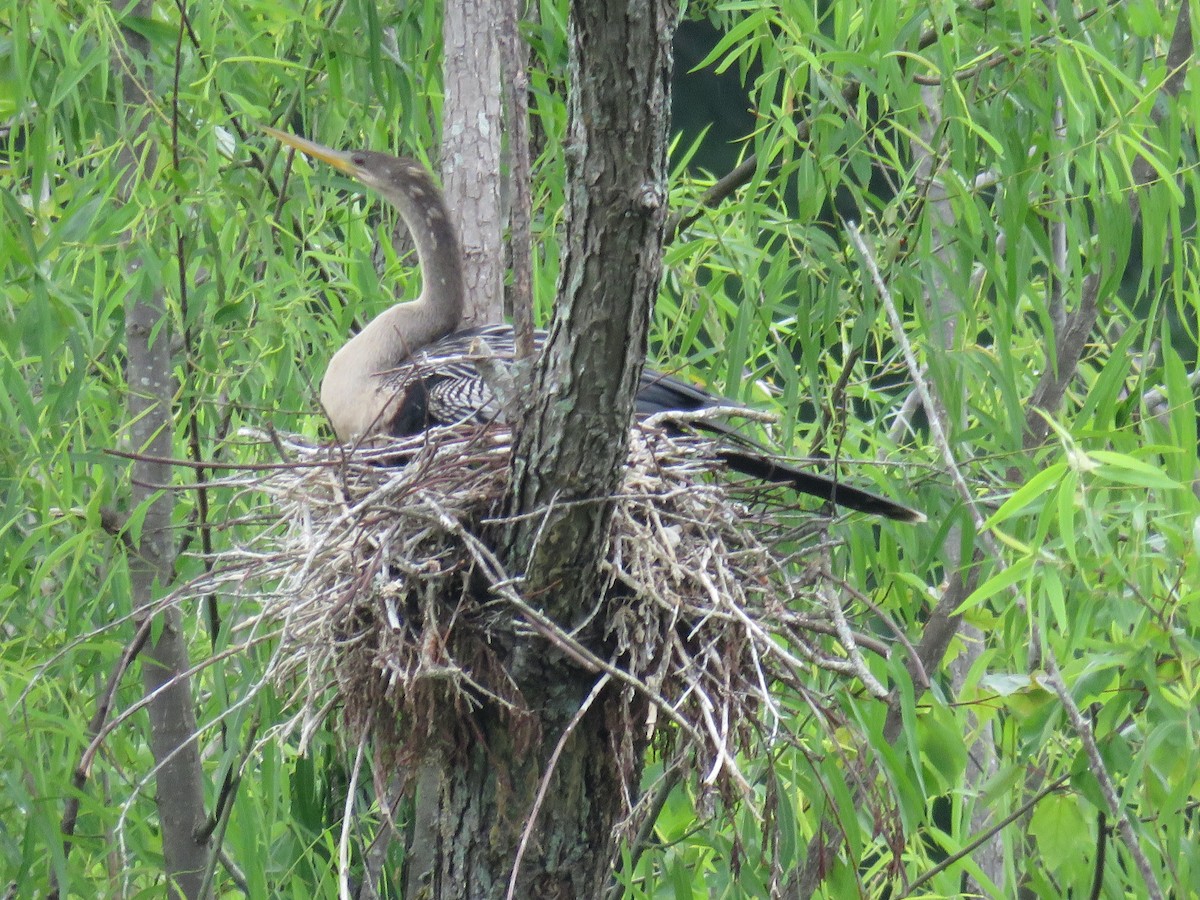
(1063, 834)
(734, 44)
(1125, 469)
(1031, 494)
(1001, 581)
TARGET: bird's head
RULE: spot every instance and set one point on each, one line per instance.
(396, 177)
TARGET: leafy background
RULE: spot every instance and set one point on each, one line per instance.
(1090, 544)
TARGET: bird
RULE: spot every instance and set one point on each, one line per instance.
(412, 366)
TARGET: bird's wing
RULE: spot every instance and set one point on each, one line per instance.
(459, 394)
(441, 384)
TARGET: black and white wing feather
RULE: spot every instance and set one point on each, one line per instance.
(442, 385)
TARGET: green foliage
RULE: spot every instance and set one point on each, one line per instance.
(242, 271)
(1096, 528)
(1089, 548)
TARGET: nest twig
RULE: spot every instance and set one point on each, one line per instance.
(390, 600)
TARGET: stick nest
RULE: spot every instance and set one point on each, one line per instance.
(391, 602)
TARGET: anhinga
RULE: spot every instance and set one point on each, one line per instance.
(363, 394)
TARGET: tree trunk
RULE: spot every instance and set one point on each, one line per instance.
(470, 167)
(470, 160)
(179, 787)
(572, 448)
(575, 440)
(178, 779)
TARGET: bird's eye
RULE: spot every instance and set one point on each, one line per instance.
(359, 159)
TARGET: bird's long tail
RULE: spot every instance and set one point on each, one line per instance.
(778, 472)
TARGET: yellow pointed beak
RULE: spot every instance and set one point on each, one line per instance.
(336, 158)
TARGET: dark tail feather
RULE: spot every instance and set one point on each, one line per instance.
(776, 471)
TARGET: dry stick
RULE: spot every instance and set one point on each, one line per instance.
(214, 464)
(875, 645)
(375, 854)
(136, 616)
(936, 412)
(938, 632)
(1097, 766)
(863, 640)
(147, 699)
(544, 785)
(846, 638)
(641, 841)
(344, 840)
(567, 644)
(1078, 722)
(912, 403)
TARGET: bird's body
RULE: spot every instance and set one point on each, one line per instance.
(441, 384)
(412, 366)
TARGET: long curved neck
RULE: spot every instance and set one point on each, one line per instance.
(351, 391)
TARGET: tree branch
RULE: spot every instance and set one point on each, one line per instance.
(149, 375)
(1072, 339)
